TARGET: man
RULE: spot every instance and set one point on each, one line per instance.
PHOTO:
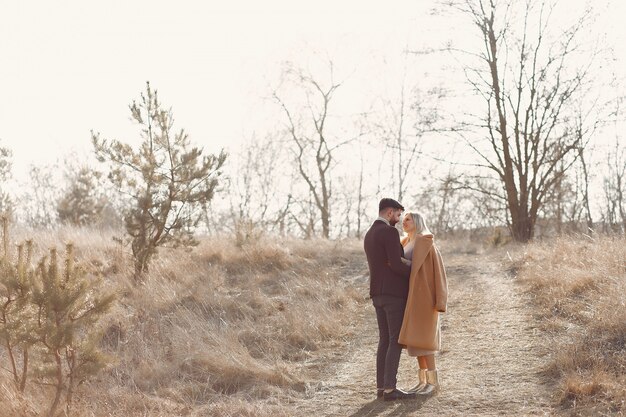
(389, 287)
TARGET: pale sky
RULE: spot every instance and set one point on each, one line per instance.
(71, 66)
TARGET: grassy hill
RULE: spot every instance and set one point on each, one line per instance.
(220, 330)
(579, 290)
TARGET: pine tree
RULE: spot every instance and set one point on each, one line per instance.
(81, 204)
(17, 319)
(167, 180)
(69, 305)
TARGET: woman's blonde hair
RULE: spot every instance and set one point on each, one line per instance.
(420, 224)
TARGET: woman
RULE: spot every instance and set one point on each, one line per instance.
(428, 296)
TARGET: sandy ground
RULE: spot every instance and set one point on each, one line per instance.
(489, 366)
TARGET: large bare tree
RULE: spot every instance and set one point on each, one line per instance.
(525, 75)
(403, 122)
(305, 101)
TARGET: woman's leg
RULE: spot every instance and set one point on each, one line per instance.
(421, 383)
(429, 361)
(421, 360)
(432, 382)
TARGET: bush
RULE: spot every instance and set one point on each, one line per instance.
(48, 321)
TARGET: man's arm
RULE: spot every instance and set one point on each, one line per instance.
(394, 253)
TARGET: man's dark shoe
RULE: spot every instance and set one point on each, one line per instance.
(379, 393)
(397, 394)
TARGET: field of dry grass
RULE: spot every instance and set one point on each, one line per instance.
(279, 328)
(221, 330)
(579, 288)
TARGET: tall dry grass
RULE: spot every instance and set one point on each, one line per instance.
(221, 330)
(579, 287)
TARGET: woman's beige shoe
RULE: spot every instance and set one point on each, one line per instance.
(422, 381)
(432, 383)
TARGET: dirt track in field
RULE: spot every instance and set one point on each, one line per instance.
(489, 366)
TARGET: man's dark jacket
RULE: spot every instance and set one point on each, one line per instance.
(388, 275)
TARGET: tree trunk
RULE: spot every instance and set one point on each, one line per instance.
(59, 385)
(24, 369)
(522, 225)
(359, 206)
(588, 217)
(325, 223)
(71, 359)
(12, 361)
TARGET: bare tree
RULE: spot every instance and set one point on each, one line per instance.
(404, 121)
(360, 209)
(564, 206)
(585, 191)
(37, 203)
(303, 215)
(352, 193)
(593, 108)
(346, 199)
(526, 82)
(452, 206)
(259, 196)
(310, 142)
(6, 204)
(614, 187)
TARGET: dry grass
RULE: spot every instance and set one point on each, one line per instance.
(579, 286)
(221, 330)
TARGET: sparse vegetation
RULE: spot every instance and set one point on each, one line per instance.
(529, 147)
(223, 330)
(579, 287)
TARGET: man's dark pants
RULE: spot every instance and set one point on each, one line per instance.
(389, 313)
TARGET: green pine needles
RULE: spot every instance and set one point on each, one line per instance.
(167, 181)
(16, 316)
(48, 321)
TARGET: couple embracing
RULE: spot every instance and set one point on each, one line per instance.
(409, 289)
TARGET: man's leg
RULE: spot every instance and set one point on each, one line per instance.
(394, 309)
(383, 342)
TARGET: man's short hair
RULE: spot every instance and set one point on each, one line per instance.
(389, 202)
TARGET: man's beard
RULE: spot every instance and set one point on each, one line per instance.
(393, 222)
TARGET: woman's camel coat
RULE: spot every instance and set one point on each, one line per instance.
(428, 295)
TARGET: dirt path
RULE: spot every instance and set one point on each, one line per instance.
(488, 366)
